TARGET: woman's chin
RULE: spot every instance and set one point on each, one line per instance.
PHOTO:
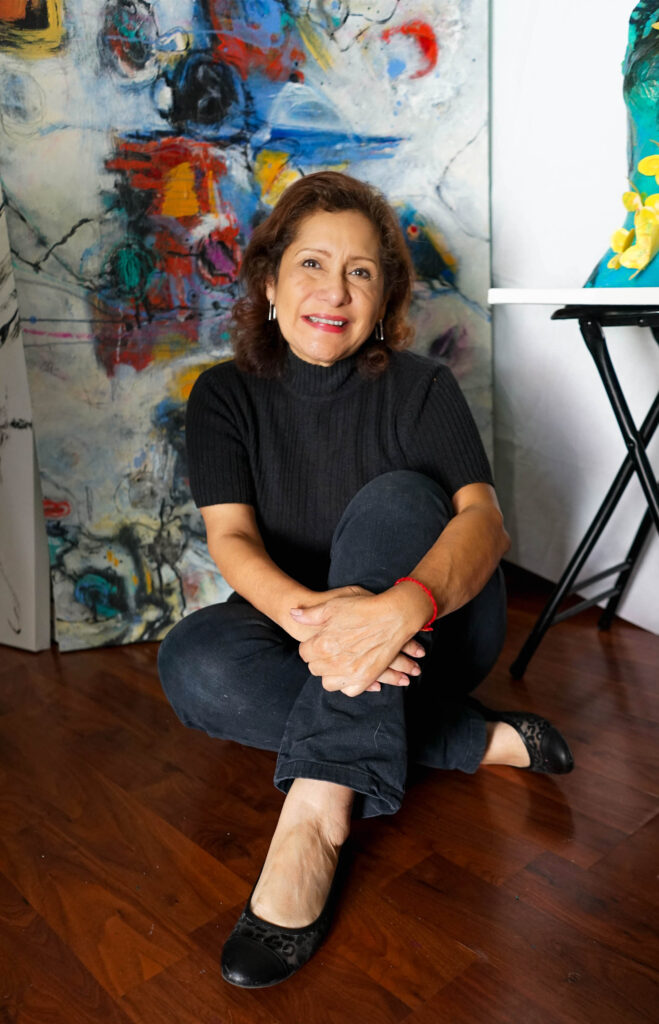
(323, 353)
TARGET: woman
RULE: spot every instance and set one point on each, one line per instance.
(349, 503)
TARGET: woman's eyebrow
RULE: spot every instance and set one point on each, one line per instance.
(325, 252)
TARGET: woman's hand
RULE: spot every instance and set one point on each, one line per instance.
(299, 628)
(361, 640)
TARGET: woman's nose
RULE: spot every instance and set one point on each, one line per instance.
(336, 288)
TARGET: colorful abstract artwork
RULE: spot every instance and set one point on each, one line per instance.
(137, 154)
(630, 260)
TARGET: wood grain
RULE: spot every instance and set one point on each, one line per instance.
(129, 844)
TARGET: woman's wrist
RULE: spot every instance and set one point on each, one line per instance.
(414, 604)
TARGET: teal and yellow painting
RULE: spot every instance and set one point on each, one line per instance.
(140, 143)
(630, 260)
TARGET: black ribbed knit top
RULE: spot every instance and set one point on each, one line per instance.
(300, 446)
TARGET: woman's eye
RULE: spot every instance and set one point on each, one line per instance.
(310, 263)
(362, 272)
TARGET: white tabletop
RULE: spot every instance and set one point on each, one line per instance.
(574, 296)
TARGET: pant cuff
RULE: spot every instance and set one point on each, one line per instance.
(373, 797)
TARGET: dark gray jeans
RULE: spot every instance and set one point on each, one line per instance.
(232, 672)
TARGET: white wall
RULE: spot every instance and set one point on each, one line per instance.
(559, 168)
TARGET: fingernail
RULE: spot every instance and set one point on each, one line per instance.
(416, 671)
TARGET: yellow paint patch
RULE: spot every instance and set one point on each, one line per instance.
(313, 42)
(182, 383)
(273, 174)
(441, 245)
(112, 558)
(637, 256)
(135, 580)
(209, 185)
(171, 345)
(28, 42)
(180, 198)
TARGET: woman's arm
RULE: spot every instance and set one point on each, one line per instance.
(236, 546)
(356, 636)
(467, 552)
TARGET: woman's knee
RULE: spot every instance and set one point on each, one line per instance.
(230, 671)
(387, 528)
(402, 495)
(186, 665)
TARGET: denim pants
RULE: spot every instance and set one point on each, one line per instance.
(231, 671)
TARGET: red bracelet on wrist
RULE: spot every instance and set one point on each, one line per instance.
(410, 579)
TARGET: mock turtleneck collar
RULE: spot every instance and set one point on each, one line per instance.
(315, 381)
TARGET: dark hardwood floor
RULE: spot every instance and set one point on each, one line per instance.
(129, 844)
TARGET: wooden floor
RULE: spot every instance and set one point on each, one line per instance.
(128, 845)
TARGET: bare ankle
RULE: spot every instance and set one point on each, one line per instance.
(327, 805)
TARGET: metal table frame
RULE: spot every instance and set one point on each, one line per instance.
(592, 321)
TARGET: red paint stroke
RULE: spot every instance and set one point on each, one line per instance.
(147, 165)
(425, 38)
(56, 509)
(248, 47)
(59, 334)
(178, 245)
(276, 62)
(140, 345)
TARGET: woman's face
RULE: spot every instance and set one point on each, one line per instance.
(329, 292)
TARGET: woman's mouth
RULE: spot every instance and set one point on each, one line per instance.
(326, 323)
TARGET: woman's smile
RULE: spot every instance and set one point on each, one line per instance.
(325, 323)
(329, 289)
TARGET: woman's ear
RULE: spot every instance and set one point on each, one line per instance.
(270, 289)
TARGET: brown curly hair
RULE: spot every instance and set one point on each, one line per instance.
(258, 344)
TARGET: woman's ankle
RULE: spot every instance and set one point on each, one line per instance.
(327, 805)
(505, 746)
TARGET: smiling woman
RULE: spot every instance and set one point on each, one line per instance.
(329, 291)
(326, 229)
(349, 503)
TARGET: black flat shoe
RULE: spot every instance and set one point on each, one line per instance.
(548, 750)
(258, 954)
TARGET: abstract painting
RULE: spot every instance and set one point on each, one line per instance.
(630, 260)
(140, 143)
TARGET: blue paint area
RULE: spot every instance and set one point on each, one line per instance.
(169, 419)
(395, 67)
(312, 149)
(429, 263)
(100, 593)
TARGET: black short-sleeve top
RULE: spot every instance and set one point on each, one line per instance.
(300, 446)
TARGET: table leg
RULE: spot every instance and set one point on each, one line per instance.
(590, 538)
(593, 335)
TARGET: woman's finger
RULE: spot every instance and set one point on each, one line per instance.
(402, 663)
(414, 649)
(392, 678)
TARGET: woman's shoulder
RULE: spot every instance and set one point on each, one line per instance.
(220, 381)
(412, 369)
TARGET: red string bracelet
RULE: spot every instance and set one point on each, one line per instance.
(410, 579)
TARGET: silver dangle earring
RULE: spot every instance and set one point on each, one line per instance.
(379, 331)
(272, 312)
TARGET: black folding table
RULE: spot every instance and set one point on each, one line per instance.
(593, 319)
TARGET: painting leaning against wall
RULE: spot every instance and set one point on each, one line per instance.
(140, 143)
